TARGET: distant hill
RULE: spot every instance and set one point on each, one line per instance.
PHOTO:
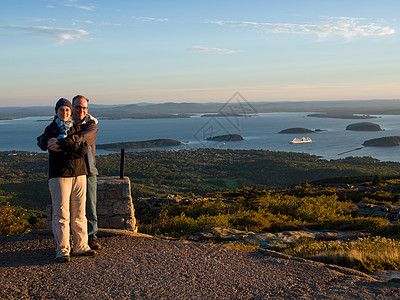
(341, 116)
(357, 109)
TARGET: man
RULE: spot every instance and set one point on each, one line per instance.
(88, 134)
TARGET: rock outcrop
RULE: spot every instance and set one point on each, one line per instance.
(267, 240)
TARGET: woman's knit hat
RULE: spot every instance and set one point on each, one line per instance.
(63, 102)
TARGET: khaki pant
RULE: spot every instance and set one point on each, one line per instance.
(68, 204)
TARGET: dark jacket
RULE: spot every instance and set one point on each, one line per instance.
(87, 133)
(70, 162)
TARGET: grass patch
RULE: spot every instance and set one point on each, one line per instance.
(241, 246)
(366, 254)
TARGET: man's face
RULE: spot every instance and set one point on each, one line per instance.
(80, 109)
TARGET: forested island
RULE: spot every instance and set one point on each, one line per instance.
(139, 145)
(364, 126)
(296, 130)
(386, 141)
(226, 137)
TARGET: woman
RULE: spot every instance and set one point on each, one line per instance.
(67, 183)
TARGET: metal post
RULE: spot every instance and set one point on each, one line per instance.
(121, 169)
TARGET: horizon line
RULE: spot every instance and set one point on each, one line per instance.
(216, 102)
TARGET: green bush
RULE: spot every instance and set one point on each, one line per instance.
(358, 223)
(389, 230)
(12, 220)
(250, 220)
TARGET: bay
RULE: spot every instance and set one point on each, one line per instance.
(259, 131)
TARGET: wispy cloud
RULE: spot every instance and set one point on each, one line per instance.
(59, 34)
(111, 24)
(212, 50)
(149, 19)
(82, 22)
(89, 8)
(341, 26)
(36, 19)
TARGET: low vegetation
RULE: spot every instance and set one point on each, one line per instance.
(366, 254)
(256, 210)
(259, 191)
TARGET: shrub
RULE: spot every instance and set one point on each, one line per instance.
(389, 230)
(317, 209)
(250, 220)
(12, 220)
(358, 223)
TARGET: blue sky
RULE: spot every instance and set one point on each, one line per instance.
(117, 52)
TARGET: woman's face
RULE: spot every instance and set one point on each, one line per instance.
(64, 113)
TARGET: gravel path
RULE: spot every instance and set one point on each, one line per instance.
(139, 267)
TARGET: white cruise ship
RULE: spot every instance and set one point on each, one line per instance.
(301, 141)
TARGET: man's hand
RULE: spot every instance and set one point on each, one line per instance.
(52, 145)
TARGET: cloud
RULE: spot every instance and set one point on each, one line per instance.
(60, 34)
(346, 27)
(82, 21)
(148, 19)
(110, 24)
(89, 8)
(212, 50)
(33, 19)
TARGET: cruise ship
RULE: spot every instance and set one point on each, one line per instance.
(301, 141)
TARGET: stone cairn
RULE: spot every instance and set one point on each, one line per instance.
(115, 208)
(114, 204)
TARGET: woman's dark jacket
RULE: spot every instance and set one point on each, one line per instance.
(70, 162)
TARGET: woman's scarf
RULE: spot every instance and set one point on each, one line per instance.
(64, 127)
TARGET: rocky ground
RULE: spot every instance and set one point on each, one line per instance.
(133, 266)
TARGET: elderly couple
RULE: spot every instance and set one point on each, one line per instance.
(70, 140)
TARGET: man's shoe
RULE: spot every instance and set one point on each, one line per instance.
(93, 243)
(63, 259)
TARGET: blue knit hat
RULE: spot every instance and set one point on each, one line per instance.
(63, 102)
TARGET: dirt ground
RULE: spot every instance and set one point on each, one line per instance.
(134, 266)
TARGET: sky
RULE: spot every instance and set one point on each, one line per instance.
(155, 51)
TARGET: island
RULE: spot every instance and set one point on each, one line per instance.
(228, 114)
(386, 141)
(296, 130)
(341, 116)
(364, 126)
(138, 145)
(226, 138)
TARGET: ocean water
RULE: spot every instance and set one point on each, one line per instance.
(259, 131)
